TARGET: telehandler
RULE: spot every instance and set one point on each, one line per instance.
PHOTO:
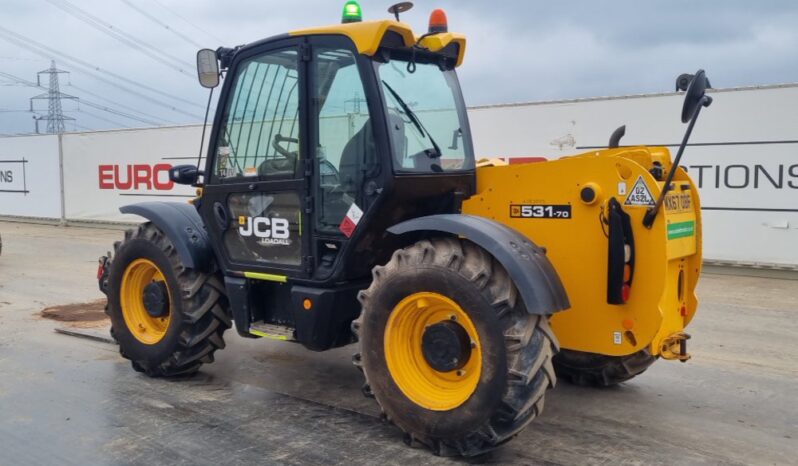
(340, 202)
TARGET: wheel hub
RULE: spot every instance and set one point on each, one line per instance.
(446, 346)
(432, 350)
(156, 299)
(144, 299)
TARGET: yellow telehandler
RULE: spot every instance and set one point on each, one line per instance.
(340, 202)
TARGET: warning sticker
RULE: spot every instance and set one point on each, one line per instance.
(350, 221)
(639, 195)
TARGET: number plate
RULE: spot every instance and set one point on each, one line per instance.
(678, 202)
(540, 211)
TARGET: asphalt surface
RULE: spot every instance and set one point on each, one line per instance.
(67, 400)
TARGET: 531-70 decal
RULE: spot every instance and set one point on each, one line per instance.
(540, 211)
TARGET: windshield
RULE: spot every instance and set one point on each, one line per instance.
(426, 118)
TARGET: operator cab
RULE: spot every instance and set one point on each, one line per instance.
(318, 130)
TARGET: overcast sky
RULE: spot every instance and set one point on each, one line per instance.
(518, 50)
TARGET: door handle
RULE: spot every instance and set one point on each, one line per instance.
(220, 214)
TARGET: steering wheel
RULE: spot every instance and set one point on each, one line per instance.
(291, 156)
(328, 173)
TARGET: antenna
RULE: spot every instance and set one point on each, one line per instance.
(400, 8)
(55, 116)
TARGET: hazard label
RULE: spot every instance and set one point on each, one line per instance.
(639, 195)
(353, 216)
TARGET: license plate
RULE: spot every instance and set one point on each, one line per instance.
(678, 202)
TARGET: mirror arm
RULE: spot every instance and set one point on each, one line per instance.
(202, 139)
(651, 213)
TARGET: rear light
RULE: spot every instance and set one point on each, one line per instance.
(620, 254)
(100, 269)
(626, 290)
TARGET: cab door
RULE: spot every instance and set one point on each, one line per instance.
(256, 190)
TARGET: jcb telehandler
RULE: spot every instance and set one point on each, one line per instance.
(340, 202)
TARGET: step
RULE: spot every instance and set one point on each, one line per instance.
(273, 331)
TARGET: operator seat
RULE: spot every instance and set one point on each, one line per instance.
(357, 154)
(360, 153)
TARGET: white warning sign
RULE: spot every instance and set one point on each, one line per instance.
(639, 194)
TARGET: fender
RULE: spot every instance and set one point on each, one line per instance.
(530, 270)
(183, 226)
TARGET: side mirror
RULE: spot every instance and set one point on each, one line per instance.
(184, 174)
(207, 68)
(695, 96)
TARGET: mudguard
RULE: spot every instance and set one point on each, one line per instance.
(183, 226)
(529, 268)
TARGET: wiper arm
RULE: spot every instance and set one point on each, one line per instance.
(416, 122)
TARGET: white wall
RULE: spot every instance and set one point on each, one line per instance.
(30, 183)
(749, 219)
(105, 170)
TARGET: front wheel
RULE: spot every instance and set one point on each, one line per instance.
(448, 349)
(167, 319)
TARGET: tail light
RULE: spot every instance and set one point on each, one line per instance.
(620, 254)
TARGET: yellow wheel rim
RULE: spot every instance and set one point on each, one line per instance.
(145, 328)
(422, 384)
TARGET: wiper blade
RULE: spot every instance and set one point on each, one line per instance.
(416, 122)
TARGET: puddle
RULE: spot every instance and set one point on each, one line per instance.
(79, 315)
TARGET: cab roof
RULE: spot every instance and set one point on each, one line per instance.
(368, 36)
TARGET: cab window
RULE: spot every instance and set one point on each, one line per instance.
(426, 118)
(346, 155)
(260, 129)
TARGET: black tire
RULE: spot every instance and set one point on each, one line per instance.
(598, 370)
(199, 309)
(516, 360)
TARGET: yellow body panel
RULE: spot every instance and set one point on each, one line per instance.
(367, 36)
(578, 247)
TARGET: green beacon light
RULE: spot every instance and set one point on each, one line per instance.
(352, 12)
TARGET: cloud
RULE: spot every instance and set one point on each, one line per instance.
(517, 51)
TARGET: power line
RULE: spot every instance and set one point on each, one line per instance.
(84, 101)
(34, 46)
(47, 52)
(120, 105)
(157, 21)
(122, 36)
(214, 36)
(107, 120)
(82, 127)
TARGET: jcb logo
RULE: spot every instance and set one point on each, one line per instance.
(267, 230)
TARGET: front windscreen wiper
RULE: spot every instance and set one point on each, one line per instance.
(416, 122)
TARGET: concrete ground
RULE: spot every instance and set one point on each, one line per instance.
(66, 400)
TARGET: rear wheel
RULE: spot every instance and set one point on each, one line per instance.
(598, 370)
(167, 319)
(448, 349)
